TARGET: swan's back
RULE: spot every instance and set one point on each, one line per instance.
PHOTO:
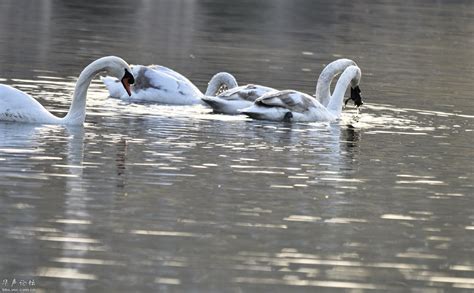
(18, 106)
(156, 84)
(234, 99)
(169, 71)
(164, 86)
(248, 92)
(289, 99)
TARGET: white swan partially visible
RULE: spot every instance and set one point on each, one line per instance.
(160, 84)
(231, 101)
(290, 105)
(18, 106)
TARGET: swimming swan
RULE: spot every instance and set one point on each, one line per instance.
(231, 101)
(290, 105)
(18, 106)
(160, 84)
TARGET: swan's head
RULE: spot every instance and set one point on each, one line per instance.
(118, 68)
(355, 90)
(353, 72)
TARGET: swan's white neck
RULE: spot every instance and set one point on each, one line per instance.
(333, 69)
(351, 76)
(77, 110)
(219, 79)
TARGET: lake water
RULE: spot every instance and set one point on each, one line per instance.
(153, 198)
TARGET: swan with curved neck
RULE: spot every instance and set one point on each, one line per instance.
(17, 106)
(218, 81)
(231, 101)
(290, 105)
(323, 86)
(160, 84)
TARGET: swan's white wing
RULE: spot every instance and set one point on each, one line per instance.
(248, 92)
(169, 71)
(18, 106)
(289, 99)
(162, 80)
(160, 87)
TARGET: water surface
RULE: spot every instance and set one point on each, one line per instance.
(148, 198)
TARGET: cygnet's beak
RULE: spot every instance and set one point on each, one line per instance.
(127, 80)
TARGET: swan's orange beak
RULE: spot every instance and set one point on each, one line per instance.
(127, 80)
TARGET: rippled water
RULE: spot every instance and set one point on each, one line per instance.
(148, 198)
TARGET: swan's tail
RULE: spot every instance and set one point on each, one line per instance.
(114, 86)
(267, 113)
(213, 102)
(218, 105)
(224, 106)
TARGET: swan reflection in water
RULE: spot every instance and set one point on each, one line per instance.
(48, 159)
(71, 204)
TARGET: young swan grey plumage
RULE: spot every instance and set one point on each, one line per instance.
(17, 106)
(290, 105)
(160, 84)
(231, 101)
(330, 71)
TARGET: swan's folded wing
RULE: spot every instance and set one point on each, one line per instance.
(170, 72)
(160, 83)
(289, 99)
(144, 78)
(148, 78)
(248, 92)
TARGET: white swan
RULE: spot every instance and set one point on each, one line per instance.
(231, 101)
(18, 106)
(159, 84)
(290, 105)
